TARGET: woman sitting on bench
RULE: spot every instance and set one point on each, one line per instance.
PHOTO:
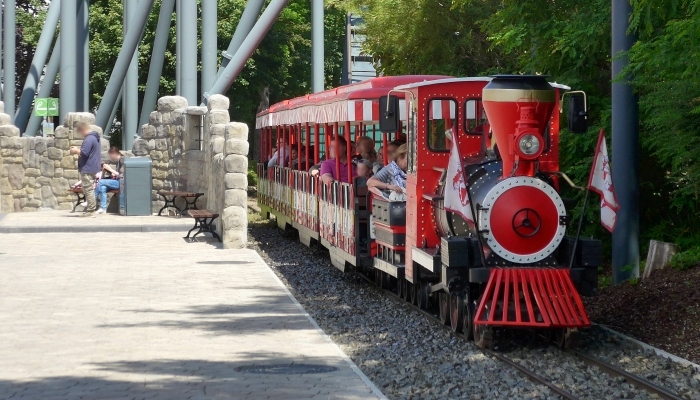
(110, 177)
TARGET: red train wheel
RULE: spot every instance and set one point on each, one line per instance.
(456, 313)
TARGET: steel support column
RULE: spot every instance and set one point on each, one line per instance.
(113, 114)
(625, 150)
(251, 42)
(83, 63)
(130, 92)
(43, 47)
(251, 12)
(131, 42)
(160, 44)
(9, 32)
(209, 43)
(188, 47)
(47, 85)
(69, 60)
(317, 45)
(178, 48)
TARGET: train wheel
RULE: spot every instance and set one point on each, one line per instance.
(401, 288)
(409, 292)
(444, 308)
(423, 297)
(386, 281)
(378, 278)
(483, 334)
(468, 318)
(456, 313)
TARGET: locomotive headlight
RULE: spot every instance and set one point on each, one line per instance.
(529, 145)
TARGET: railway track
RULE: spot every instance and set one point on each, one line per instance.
(612, 370)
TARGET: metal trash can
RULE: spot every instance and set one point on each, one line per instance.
(135, 187)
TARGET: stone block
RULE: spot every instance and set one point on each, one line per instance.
(217, 145)
(97, 129)
(217, 130)
(156, 155)
(160, 174)
(10, 142)
(104, 145)
(33, 203)
(236, 163)
(33, 172)
(43, 181)
(72, 119)
(61, 132)
(10, 153)
(236, 181)
(140, 147)
(54, 153)
(30, 191)
(5, 119)
(71, 174)
(47, 198)
(19, 203)
(18, 194)
(234, 146)
(171, 103)
(9, 131)
(59, 186)
(46, 167)
(7, 204)
(195, 110)
(157, 185)
(63, 144)
(161, 132)
(155, 118)
(42, 145)
(76, 142)
(15, 174)
(2, 107)
(237, 130)
(5, 186)
(69, 162)
(148, 131)
(235, 197)
(235, 239)
(217, 102)
(161, 144)
(177, 117)
(235, 218)
(31, 182)
(219, 117)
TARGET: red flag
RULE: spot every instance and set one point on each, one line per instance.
(601, 182)
(456, 196)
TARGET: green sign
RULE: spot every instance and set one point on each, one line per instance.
(46, 107)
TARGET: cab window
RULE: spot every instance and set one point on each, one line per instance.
(442, 121)
(474, 117)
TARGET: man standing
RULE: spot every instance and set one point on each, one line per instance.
(88, 164)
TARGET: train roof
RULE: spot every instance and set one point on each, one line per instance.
(469, 79)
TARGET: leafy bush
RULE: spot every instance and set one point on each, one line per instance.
(252, 175)
(686, 259)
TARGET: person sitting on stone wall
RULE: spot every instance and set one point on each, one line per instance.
(110, 177)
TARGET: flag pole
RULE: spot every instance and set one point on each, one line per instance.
(580, 224)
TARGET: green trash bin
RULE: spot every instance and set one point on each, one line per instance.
(136, 187)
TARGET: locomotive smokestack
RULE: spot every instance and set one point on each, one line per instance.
(509, 98)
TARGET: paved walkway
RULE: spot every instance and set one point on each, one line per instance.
(47, 221)
(148, 315)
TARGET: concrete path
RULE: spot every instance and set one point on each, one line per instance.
(49, 221)
(148, 315)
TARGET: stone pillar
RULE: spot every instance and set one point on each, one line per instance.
(214, 139)
(235, 213)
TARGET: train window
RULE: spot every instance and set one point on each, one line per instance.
(474, 117)
(441, 117)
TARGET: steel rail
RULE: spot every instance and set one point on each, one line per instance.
(613, 370)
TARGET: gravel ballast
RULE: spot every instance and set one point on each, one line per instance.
(409, 356)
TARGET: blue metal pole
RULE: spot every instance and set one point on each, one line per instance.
(69, 61)
(178, 47)
(9, 58)
(189, 51)
(83, 49)
(130, 97)
(625, 150)
(160, 44)
(209, 43)
(317, 45)
(251, 12)
(131, 42)
(36, 68)
(251, 42)
(47, 85)
(108, 127)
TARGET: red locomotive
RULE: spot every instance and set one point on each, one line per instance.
(482, 232)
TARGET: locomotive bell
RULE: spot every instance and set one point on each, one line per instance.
(518, 108)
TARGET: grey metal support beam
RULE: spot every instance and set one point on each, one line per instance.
(131, 42)
(130, 97)
(251, 42)
(69, 60)
(251, 12)
(9, 32)
(47, 85)
(189, 51)
(209, 43)
(83, 62)
(317, 45)
(43, 47)
(108, 127)
(160, 44)
(178, 47)
(625, 150)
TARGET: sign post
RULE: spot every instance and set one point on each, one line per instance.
(46, 107)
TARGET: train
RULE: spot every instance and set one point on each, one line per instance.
(483, 235)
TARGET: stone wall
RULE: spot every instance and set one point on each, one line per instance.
(235, 212)
(36, 172)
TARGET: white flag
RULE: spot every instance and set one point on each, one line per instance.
(456, 196)
(601, 183)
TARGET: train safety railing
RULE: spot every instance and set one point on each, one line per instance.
(337, 215)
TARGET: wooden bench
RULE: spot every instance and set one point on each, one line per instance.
(189, 197)
(204, 222)
(81, 196)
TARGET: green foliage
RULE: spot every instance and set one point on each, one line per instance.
(252, 174)
(686, 259)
